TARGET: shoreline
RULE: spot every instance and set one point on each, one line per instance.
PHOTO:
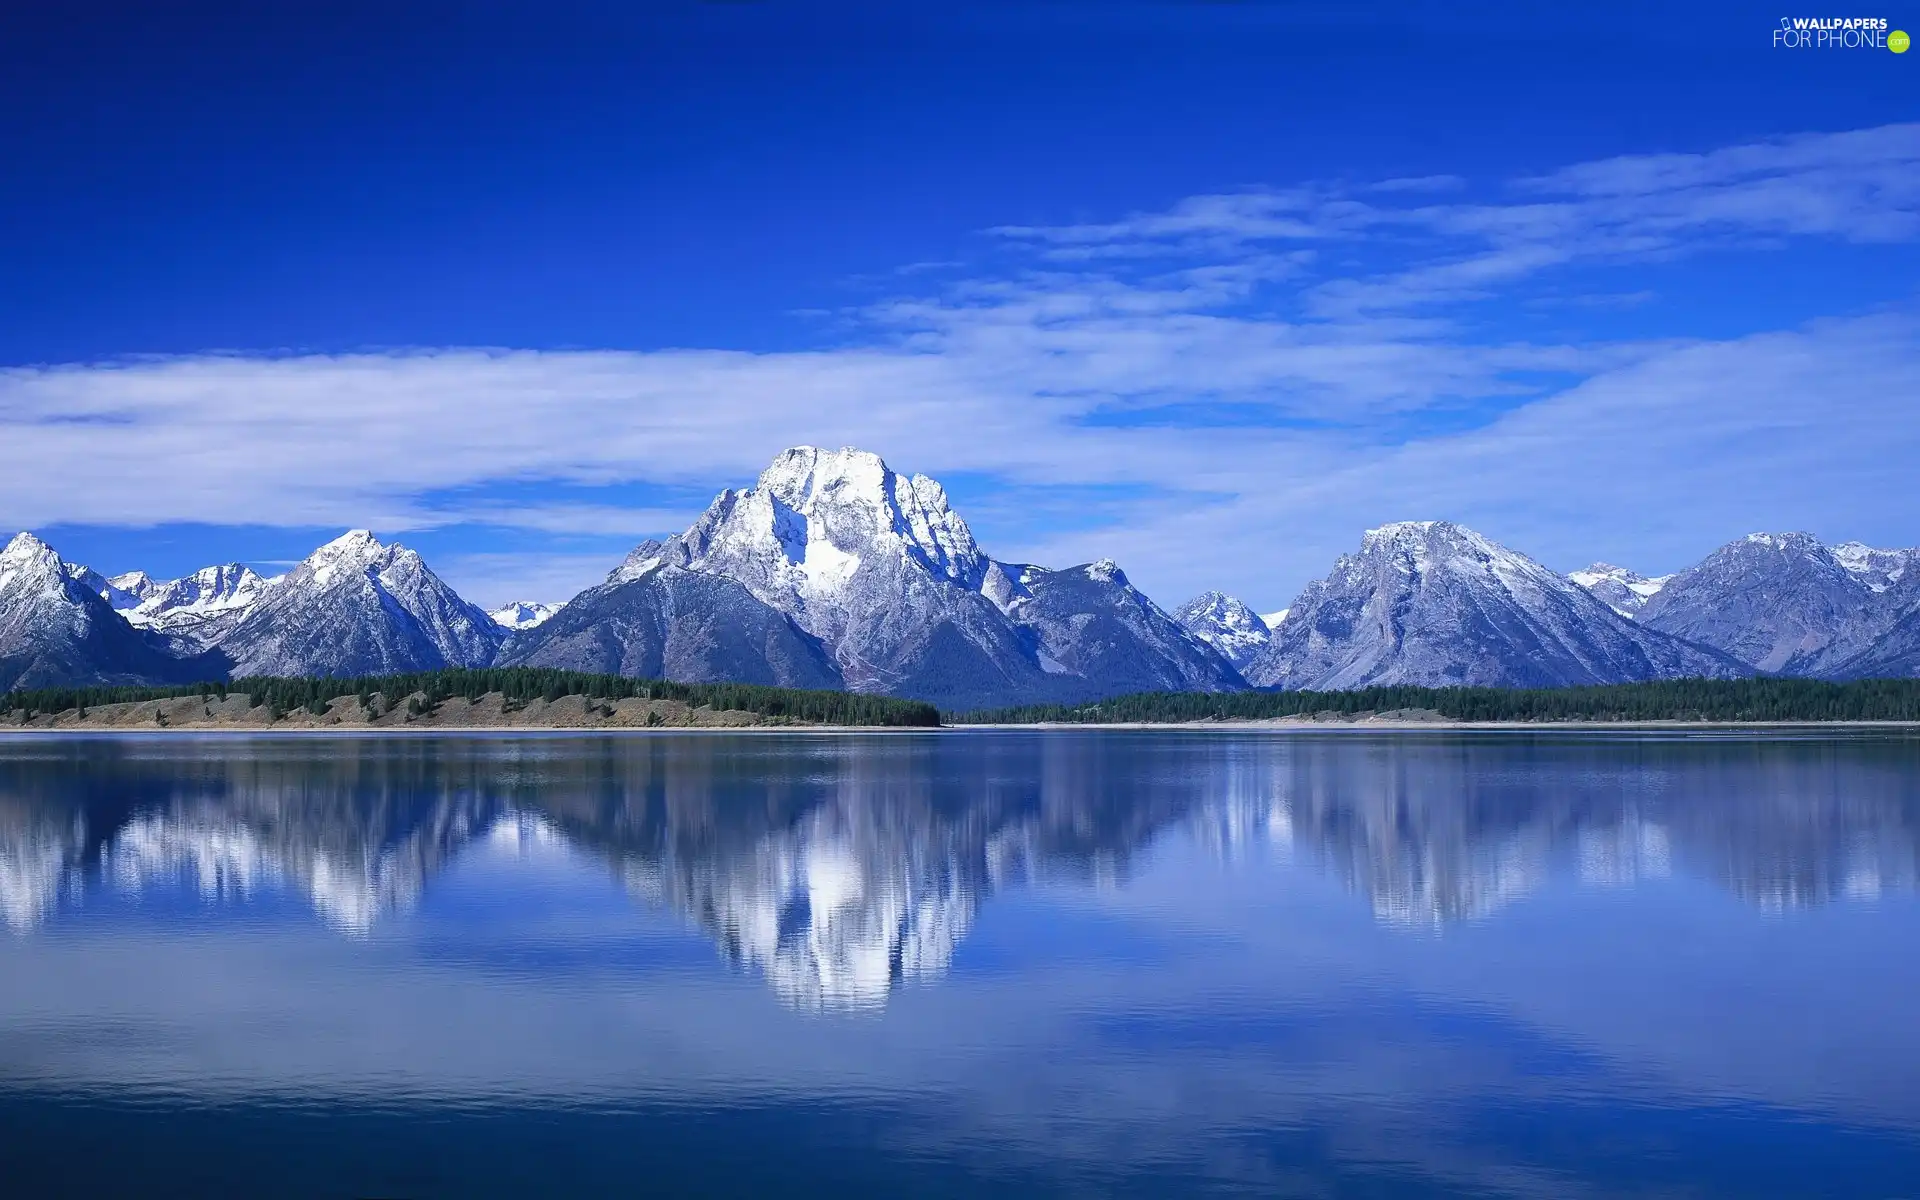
(1277, 725)
(1291, 724)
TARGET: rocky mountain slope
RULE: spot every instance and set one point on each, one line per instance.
(1781, 602)
(1435, 604)
(200, 607)
(1625, 592)
(122, 592)
(672, 623)
(358, 607)
(835, 571)
(879, 568)
(1226, 624)
(56, 631)
(1092, 624)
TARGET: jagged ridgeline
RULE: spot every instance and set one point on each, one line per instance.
(1667, 700)
(519, 685)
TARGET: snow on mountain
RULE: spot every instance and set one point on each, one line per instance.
(1091, 623)
(358, 607)
(1780, 602)
(672, 623)
(1434, 604)
(1226, 624)
(136, 584)
(1624, 591)
(123, 592)
(56, 631)
(200, 607)
(522, 614)
(879, 568)
(1878, 569)
(1272, 620)
(874, 565)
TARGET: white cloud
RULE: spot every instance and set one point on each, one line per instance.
(1249, 304)
(1649, 465)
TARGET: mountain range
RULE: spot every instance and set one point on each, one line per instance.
(834, 571)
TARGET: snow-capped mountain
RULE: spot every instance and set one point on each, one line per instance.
(1878, 569)
(1092, 624)
(672, 623)
(1226, 624)
(522, 614)
(1434, 604)
(358, 607)
(56, 631)
(122, 592)
(1781, 602)
(1624, 591)
(200, 607)
(880, 569)
(1272, 620)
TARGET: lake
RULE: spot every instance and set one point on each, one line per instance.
(1049, 962)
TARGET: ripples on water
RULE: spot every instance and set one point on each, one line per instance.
(1059, 962)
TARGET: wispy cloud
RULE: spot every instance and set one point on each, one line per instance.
(1238, 382)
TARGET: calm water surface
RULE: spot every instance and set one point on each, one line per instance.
(1075, 963)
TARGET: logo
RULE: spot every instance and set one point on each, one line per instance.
(1839, 33)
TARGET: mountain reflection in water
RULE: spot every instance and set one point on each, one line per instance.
(839, 867)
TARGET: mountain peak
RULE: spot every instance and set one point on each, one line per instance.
(131, 580)
(1225, 623)
(1878, 569)
(816, 518)
(199, 606)
(27, 557)
(1422, 538)
(26, 548)
(1417, 547)
(797, 472)
(354, 606)
(1435, 604)
(523, 614)
(1624, 591)
(1794, 542)
(354, 543)
(1605, 570)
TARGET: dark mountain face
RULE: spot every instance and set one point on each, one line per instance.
(357, 607)
(880, 569)
(1091, 624)
(1894, 654)
(1433, 604)
(1781, 603)
(1227, 624)
(671, 623)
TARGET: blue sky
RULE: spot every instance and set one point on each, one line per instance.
(1206, 288)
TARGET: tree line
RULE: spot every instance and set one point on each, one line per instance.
(427, 690)
(1766, 699)
(1771, 699)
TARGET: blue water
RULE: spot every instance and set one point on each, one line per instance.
(953, 964)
